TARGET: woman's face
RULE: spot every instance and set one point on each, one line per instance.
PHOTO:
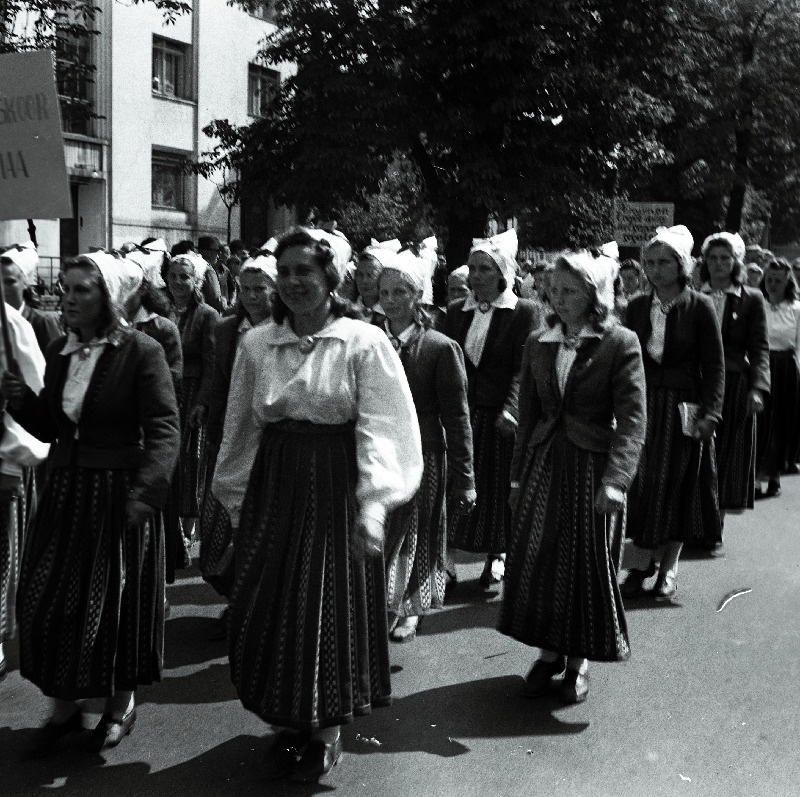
(83, 300)
(181, 280)
(484, 276)
(367, 273)
(457, 287)
(720, 262)
(255, 289)
(570, 297)
(301, 283)
(661, 267)
(13, 284)
(397, 296)
(775, 280)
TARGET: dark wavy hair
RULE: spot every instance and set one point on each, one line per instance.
(738, 272)
(110, 313)
(790, 293)
(322, 256)
(421, 315)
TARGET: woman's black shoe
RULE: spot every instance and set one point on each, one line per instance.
(318, 760)
(281, 756)
(773, 489)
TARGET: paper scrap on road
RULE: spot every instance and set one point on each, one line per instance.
(731, 595)
(368, 740)
(683, 777)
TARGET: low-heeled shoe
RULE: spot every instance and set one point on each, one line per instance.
(537, 681)
(665, 588)
(773, 489)
(281, 756)
(48, 736)
(317, 761)
(110, 732)
(633, 586)
(574, 687)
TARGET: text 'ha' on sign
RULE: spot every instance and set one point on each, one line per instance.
(635, 223)
(33, 175)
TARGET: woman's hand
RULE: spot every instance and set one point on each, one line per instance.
(465, 500)
(13, 389)
(505, 424)
(755, 402)
(137, 512)
(705, 429)
(367, 538)
(609, 499)
(198, 415)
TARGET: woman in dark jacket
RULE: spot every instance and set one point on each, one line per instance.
(491, 326)
(582, 426)
(416, 536)
(196, 321)
(255, 288)
(91, 594)
(743, 321)
(674, 496)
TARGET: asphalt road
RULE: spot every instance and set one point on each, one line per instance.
(707, 705)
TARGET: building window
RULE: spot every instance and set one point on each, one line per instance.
(169, 175)
(75, 75)
(262, 86)
(262, 9)
(171, 69)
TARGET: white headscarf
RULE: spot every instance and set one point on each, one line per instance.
(122, 277)
(730, 239)
(342, 251)
(679, 241)
(502, 248)
(25, 258)
(150, 263)
(408, 264)
(383, 253)
(197, 262)
(264, 263)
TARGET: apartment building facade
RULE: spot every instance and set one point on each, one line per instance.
(154, 88)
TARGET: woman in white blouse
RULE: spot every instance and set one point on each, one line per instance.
(778, 424)
(321, 439)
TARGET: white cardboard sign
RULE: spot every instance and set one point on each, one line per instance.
(635, 223)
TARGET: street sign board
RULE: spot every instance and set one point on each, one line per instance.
(33, 173)
(635, 223)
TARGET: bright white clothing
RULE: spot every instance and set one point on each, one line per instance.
(142, 317)
(475, 340)
(565, 357)
(658, 324)
(351, 374)
(19, 448)
(783, 327)
(83, 359)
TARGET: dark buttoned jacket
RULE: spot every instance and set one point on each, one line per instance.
(603, 407)
(226, 341)
(129, 419)
(744, 337)
(197, 330)
(495, 382)
(693, 358)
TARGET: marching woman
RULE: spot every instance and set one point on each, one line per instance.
(491, 325)
(673, 499)
(777, 427)
(255, 287)
(196, 321)
(742, 318)
(582, 426)
(416, 534)
(20, 452)
(91, 593)
(19, 266)
(321, 440)
(147, 310)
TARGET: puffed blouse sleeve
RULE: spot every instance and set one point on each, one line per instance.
(240, 439)
(388, 444)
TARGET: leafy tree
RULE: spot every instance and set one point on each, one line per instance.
(492, 101)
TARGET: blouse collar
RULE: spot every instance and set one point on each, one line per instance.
(74, 343)
(507, 300)
(283, 334)
(732, 290)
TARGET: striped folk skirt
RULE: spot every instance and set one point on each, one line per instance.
(674, 494)
(487, 528)
(192, 465)
(736, 446)
(416, 545)
(561, 589)
(779, 424)
(91, 592)
(216, 539)
(17, 505)
(308, 630)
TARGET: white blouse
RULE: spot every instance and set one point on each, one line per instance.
(565, 357)
(658, 325)
(83, 358)
(475, 340)
(351, 374)
(783, 327)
